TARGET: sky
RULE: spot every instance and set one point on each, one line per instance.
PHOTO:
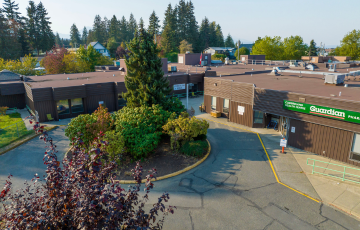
(325, 21)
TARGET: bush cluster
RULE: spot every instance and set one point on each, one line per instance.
(217, 56)
(185, 129)
(194, 148)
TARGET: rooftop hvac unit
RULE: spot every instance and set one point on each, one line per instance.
(172, 69)
(203, 63)
(334, 79)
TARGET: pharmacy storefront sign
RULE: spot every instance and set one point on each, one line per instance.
(322, 111)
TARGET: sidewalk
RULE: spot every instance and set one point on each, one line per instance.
(293, 171)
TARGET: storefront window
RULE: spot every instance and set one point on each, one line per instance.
(355, 151)
(121, 101)
(213, 103)
(77, 105)
(226, 106)
(63, 107)
(258, 117)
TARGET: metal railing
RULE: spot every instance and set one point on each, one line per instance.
(340, 172)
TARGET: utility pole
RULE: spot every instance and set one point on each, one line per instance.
(239, 42)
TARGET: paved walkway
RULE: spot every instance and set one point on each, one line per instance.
(26, 160)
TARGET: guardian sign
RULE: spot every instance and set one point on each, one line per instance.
(322, 111)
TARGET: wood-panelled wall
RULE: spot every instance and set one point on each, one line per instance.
(271, 101)
(245, 119)
(316, 138)
(92, 102)
(11, 101)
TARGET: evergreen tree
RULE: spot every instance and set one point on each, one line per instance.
(23, 41)
(84, 36)
(212, 34)
(219, 36)
(90, 37)
(168, 36)
(98, 30)
(229, 42)
(58, 41)
(141, 23)
(204, 37)
(32, 26)
(144, 80)
(11, 10)
(153, 24)
(131, 27)
(105, 25)
(123, 31)
(312, 48)
(46, 36)
(114, 28)
(181, 11)
(192, 33)
(74, 36)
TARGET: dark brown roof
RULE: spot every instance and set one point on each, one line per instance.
(308, 84)
(60, 80)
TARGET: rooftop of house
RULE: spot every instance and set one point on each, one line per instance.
(311, 84)
(6, 75)
(66, 80)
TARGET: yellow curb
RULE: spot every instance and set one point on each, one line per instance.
(271, 165)
(171, 174)
(26, 140)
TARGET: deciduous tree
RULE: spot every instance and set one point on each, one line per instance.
(185, 46)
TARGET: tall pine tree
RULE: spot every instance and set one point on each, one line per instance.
(168, 36)
(58, 41)
(74, 36)
(11, 10)
(192, 33)
(98, 30)
(229, 42)
(131, 27)
(114, 29)
(312, 48)
(84, 36)
(123, 32)
(212, 35)
(32, 26)
(46, 35)
(153, 24)
(144, 80)
(219, 36)
(204, 37)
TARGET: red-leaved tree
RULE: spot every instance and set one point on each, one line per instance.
(82, 193)
(53, 61)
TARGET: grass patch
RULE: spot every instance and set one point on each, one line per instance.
(11, 132)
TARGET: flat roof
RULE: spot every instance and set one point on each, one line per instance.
(311, 84)
(60, 80)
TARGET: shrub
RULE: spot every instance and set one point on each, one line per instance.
(116, 146)
(88, 126)
(3, 110)
(172, 56)
(82, 194)
(184, 129)
(141, 128)
(173, 104)
(217, 56)
(194, 148)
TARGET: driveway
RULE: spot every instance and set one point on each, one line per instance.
(26, 160)
(235, 188)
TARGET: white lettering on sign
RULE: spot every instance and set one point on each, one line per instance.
(283, 143)
(293, 129)
(179, 86)
(241, 110)
(333, 112)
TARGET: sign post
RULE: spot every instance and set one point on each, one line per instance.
(283, 144)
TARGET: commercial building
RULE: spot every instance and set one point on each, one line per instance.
(313, 116)
(194, 59)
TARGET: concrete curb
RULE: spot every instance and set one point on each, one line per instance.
(26, 140)
(171, 174)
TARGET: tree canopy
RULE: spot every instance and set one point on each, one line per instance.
(350, 45)
(144, 80)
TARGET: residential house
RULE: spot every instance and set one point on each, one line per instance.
(100, 48)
